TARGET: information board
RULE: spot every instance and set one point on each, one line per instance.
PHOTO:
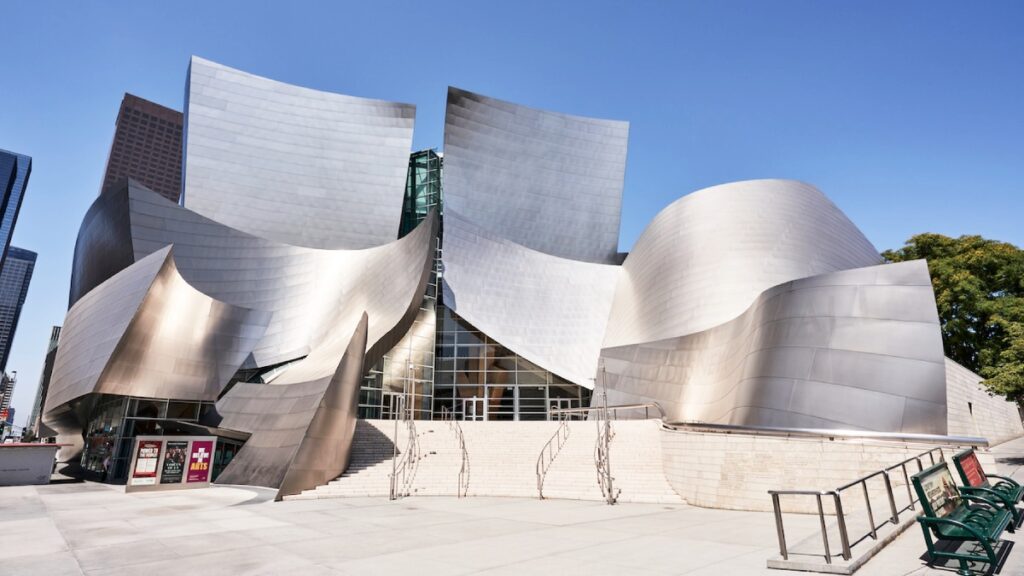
(171, 462)
(147, 456)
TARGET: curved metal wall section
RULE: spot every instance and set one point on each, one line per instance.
(147, 332)
(857, 349)
(104, 244)
(291, 164)
(706, 257)
(552, 311)
(550, 182)
(302, 423)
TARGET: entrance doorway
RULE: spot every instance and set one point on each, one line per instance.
(470, 409)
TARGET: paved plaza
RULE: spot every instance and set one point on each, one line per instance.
(94, 529)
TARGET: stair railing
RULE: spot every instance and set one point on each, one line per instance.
(602, 448)
(405, 469)
(463, 489)
(448, 417)
(550, 451)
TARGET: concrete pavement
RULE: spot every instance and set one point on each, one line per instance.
(93, 529)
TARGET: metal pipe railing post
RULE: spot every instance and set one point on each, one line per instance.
(824, 531)
(871, 515)
(895, 518)
(844, 538)
(778, 527)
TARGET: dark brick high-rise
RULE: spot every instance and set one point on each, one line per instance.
(147, 147)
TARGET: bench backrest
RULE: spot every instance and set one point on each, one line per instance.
(970, 469)
(936, 491)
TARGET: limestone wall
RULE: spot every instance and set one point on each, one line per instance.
(973, 411)
(735, 471)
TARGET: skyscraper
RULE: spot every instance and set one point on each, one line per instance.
(14, 172)
(146, 147)
(7, 382)
(14, 279)
(34, 422)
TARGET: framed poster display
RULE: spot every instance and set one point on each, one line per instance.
(171, 462)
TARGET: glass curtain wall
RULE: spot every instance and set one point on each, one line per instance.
(114, 423)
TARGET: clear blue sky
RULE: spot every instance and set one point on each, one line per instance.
(909, 115)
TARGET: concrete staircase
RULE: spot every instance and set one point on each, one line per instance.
(502, 461)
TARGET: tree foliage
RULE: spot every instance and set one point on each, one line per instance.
(979, 291)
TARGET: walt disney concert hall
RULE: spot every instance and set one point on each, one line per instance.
(317, 273)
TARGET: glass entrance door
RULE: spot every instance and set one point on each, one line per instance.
(562, 404)
(391, 406)
(470, 408)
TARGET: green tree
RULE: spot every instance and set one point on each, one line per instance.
(979, 291)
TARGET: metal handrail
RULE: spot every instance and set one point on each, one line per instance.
(407, 466)
(448, 416)
(550, 451)
(602, 461)
(837, 499)
(613, 409)
(828, 433)
(602, 448)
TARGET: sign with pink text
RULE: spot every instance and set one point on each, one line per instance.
(199, 461)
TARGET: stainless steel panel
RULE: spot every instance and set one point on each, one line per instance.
(302, 423)
(705, 258)
(147, 332)
(547, 181)
(291, 164)
(806, 353)
(550, 310)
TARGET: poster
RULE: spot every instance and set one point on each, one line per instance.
(145, 462)
(174, 462)
(941, 492)
(199, 461)
(972, 469)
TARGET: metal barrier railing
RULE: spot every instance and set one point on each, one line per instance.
(550, 451)
(836, 495)
(454, 425)
(404, 471)
(602, 459)
(825, 433)
(613, 410)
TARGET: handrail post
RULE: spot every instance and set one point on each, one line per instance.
(778, 527)
(906, 479)
(871, 515)
(844, 538)
(892, 499)
(824, 531)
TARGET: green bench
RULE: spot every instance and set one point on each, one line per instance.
(952, 516)
(1006, 491)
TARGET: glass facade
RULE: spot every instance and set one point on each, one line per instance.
(453, 365)
(116, 420)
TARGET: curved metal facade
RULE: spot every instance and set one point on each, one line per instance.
(147, 332)
(550, 182)
(291, 164)
(751, 303)
(857, 349)
(550, 310)
(302, 423)
(704, 259)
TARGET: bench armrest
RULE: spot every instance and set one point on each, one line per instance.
(1004, 478)
(986, 501)
(996, 496)
(933, 521)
